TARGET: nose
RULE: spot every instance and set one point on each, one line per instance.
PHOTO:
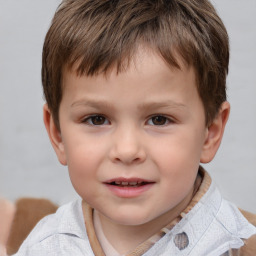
(127, 146)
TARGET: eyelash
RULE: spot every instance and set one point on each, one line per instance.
(166, 120)
(90, 120)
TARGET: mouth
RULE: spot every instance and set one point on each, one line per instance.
(128, 188)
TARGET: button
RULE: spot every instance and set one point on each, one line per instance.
(181, 240)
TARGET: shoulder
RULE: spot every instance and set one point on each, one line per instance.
(62, 233)
(50, 224)
(249, 249)
(242, 224)
(226, 226)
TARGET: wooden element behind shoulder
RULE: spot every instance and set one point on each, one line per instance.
(28, 212)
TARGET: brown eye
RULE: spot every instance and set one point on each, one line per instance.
(159, 120)
(96, 120)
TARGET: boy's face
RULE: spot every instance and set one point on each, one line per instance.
(133, 141)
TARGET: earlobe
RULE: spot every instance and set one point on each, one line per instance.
(215, 133)
(54, 135)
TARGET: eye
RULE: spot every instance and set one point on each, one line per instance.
(96, 120)
(158, 120)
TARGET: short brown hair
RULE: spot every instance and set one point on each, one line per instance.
(100, 34)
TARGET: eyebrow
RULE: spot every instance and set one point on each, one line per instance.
(94, 103)
(161, 104)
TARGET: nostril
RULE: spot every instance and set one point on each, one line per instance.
(127, 152)
(128, 161)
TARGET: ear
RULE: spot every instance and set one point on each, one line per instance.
(54, 135)
(214, 133)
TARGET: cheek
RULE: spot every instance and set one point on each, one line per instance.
(83, 153)
(178, 160)
(179, 154)
(178, 174)
(83, 163)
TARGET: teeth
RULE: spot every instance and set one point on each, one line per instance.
(128, 183)
(133, 183)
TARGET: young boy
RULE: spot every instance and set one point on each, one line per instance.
(136, 100)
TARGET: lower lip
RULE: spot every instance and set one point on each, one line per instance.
(129, 192)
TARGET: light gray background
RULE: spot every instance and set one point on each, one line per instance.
(28, 166)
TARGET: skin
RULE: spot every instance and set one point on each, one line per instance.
(150, 125)
(7, 211)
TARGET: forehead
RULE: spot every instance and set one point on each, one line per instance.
(147, 72)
